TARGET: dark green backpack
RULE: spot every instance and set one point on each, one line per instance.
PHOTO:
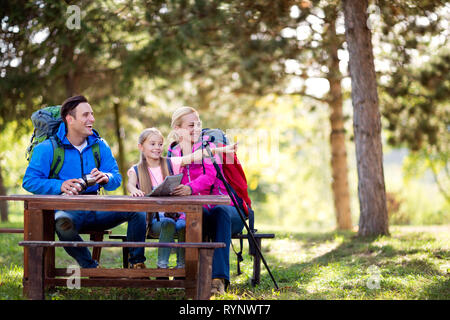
(46, 122)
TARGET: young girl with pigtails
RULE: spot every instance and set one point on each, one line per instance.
(151, 172)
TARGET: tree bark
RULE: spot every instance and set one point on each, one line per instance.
(120, 143)
(339, 167)
(3, 204)
(69, 77)
(366, 121)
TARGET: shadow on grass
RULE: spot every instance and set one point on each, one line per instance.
(437, 291)
(405, 262)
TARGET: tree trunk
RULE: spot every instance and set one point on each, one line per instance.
(339, 167)
(366, 121)
(120, 143)
(69, 76)
(3, 204)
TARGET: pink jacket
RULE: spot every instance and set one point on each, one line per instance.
(201, 184)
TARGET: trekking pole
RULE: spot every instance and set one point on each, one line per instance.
(250, 233)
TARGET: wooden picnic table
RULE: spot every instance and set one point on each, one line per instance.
(39, 225)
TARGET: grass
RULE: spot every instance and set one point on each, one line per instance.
(412, 263)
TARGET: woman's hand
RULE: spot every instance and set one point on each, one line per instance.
(232, 148)
(182, 190)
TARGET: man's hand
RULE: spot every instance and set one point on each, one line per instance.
(71, 187)
(182, 190)
(100, 177)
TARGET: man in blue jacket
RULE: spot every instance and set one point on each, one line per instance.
(77, 137)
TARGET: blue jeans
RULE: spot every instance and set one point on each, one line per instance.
(166, 228)
(70, 223)
(220, 223)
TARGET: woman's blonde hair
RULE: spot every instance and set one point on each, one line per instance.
(144, 179)
(177, 121)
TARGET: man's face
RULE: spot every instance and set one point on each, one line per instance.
(83, 120)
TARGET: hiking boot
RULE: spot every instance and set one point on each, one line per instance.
(217, 286)
(139, 265)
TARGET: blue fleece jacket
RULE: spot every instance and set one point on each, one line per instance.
(76, 164)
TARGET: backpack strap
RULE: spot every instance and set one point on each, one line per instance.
(96, 153)
(96, 150)
(58, 158)
(137, 175)
(239, 257)
(169, 166)
(251, 222)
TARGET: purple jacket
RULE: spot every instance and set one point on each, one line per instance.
(201, 184)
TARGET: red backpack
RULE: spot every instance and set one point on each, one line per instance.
(233, 172)
(235, 177)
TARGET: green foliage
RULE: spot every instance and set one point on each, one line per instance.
(13, 157)
(414, 79)
(228, 60)
(417, 105)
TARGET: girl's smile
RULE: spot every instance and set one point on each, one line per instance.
(152, 148)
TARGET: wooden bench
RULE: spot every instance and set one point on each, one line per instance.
(93, 236)
(11, 230)
(256, 258)
(120, 277)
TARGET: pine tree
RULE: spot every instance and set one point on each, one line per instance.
(366, 121)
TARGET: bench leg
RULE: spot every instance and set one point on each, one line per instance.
(193, 234)
(96, 251)
(256, 265)
(125, 253)
(204, 274)
(36, 273)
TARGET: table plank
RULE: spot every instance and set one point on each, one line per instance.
(117, 203)
(186, 200)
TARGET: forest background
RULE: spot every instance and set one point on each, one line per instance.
(272, 74)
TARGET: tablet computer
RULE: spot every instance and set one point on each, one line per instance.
(168, 185)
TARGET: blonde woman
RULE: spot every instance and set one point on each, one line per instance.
(200, 178)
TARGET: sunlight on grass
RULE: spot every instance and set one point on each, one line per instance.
(11, 274)
(10, 282)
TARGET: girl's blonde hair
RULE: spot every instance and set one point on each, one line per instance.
(177, 121)
(144, 179)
